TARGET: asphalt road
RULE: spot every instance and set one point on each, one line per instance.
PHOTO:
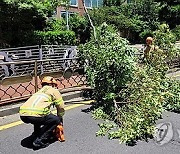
(80, 136)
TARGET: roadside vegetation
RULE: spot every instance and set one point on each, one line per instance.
(34, 21)
(129, 96)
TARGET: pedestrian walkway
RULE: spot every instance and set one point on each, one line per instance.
(174, 73)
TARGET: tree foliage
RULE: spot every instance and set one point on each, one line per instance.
(130, 19)
(110, 63)
(81, 27)
(18, 19)
(170, 12)
(138, 18)
(113, 2)
(131, 96)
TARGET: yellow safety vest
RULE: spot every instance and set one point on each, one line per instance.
(148, 50)
(39, 104)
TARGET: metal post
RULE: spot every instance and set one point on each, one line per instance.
(67, 20)
(35, 76)
(41, 57)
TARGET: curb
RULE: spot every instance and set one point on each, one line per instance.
(174, 73)
(173, 70)
(67, 94)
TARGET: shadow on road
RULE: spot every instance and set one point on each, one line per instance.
(28, 143)
(92, 107)
(88, 110)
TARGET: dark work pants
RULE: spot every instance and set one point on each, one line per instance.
(48, 124)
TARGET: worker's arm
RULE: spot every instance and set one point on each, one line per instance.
(59, 103)
(60, 112)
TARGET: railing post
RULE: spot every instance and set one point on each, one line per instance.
(35, 76)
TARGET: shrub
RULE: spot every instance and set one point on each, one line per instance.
(176, 32)
(172, 95)
(55, 25)
(77, 24)
(143, 35)
(81, 27)
(165, 39)
(55, 37)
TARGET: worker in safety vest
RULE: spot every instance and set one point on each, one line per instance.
(149, 48)
(36, 110)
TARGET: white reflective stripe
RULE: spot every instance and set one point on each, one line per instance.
(34, 102)
(40, 96)
(37, 101)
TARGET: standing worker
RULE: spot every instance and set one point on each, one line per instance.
(149, 47)
(36, 110)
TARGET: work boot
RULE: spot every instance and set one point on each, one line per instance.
(35, 135)
(53, 139)
(38, 143)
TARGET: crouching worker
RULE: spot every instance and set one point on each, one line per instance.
(36, 110)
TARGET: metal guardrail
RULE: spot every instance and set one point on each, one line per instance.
(21, 70)
(20, 87)
(30, 53)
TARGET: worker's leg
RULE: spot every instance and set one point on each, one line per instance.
(51, 122)
(37, 130)
(36, 121)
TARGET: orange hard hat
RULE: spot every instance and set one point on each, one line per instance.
(149, 39)
(49, 79)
